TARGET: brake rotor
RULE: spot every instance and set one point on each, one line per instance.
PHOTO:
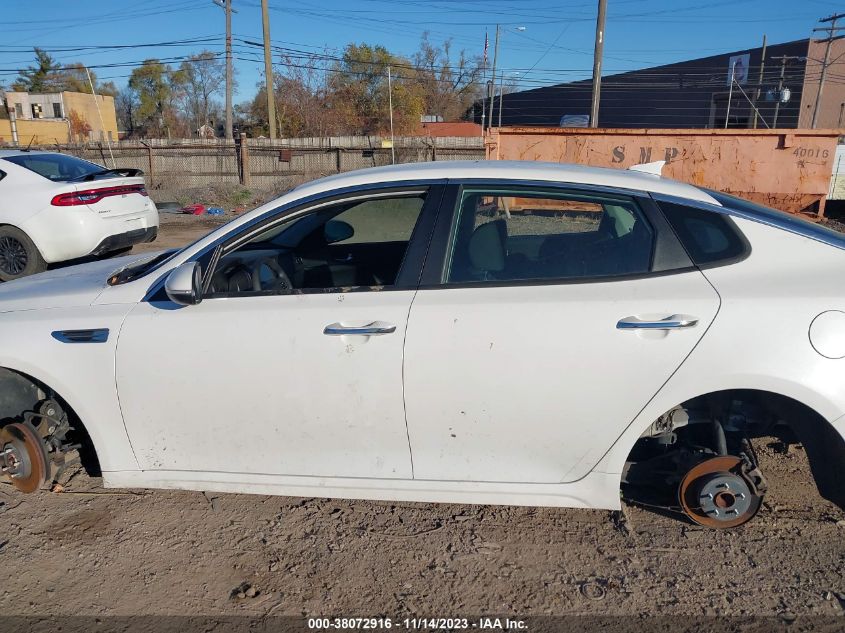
(24, 455)
(715, 493)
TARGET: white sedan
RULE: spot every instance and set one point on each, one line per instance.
(55, 208)
(473, 332)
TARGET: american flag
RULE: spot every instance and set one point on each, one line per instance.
(486, 44)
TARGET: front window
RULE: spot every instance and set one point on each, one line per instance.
(525, 234)
(56, 167)
(355, 244)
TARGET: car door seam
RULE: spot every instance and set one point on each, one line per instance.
(118, 336)
(404, 399)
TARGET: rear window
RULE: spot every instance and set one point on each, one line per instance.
(709, 237)
(55, 167)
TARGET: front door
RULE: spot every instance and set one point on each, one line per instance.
(549, 330)
(292, 363)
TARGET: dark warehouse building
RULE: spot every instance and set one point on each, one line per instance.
(697, 93)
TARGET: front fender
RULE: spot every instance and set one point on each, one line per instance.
(81, 373)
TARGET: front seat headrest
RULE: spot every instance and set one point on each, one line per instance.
(487, 246)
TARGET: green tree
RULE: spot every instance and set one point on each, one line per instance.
(358, 90)
(74, 77)
(150, 82)
(42, 77)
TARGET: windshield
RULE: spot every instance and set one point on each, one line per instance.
(56, 167)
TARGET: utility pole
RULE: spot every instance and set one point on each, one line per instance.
(228, 7)
(831, 35)
(501, 95)
(730, 95)
(759, 82)
(597, 59)
(390, 105)
(782, 59)
(268, 72)
(493, 80)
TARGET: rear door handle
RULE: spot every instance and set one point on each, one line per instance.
(376, 328)
(674, 322)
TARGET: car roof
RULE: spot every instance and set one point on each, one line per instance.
(511, 170)
(4, 153)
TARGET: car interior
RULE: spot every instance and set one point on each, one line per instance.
(504, 237)
(350, 245)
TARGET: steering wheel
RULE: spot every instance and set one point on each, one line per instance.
(281, 280)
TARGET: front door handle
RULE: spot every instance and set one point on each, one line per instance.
(376, 328)
(674, 322)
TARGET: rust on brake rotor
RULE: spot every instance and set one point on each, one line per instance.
(21, 442)
(725, 500)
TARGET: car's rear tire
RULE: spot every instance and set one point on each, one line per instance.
(19, 257)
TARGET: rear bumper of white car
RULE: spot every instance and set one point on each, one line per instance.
(126, 240)
(65, 233)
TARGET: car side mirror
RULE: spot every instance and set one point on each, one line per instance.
(337, 231)
(184, 284)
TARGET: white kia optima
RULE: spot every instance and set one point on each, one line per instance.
(474, 332)
(55, 208)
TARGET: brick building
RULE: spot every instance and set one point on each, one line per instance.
(60, 117)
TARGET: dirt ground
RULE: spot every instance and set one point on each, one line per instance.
(95, 552)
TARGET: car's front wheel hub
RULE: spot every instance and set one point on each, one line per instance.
(23, 456)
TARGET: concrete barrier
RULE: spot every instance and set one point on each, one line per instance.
(785, 169)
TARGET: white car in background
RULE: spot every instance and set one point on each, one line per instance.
(55, 208)
(463, 332)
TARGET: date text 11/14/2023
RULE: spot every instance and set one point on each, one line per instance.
(418, 624)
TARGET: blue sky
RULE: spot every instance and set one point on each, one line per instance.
(556, 44)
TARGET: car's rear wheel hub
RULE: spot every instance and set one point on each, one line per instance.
(13, 256)
(23, 456)
(717, 493)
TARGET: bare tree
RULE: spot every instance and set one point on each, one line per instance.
(449, 86)
(195, 84)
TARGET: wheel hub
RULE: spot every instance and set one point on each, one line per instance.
(13, 257)
(23, 457)
(725, 496)
(717, 493)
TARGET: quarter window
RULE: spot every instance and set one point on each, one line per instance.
(708, 237)
(516, 234)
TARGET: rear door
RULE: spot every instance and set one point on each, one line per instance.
(546, 320)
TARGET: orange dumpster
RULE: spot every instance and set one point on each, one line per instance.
(785, 169)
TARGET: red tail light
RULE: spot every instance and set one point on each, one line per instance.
(92, 196)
